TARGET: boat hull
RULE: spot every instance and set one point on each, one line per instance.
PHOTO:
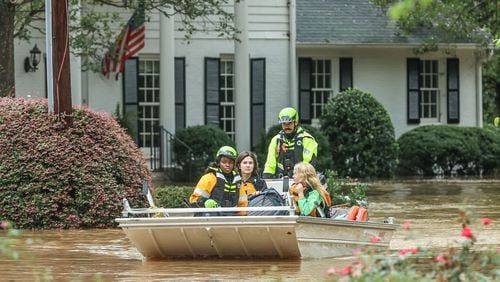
(252, 236)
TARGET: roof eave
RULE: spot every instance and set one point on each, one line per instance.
(309, 45)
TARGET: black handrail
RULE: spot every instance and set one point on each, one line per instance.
(162, 151)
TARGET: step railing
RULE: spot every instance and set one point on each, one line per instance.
(162, 158)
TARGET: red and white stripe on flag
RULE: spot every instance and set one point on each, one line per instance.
(129, 42)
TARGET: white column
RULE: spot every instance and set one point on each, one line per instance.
(76, 79)
(479, 92)
(167, 73)
(242, 77)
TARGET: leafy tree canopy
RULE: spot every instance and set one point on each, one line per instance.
(91, 24)
(470, 20)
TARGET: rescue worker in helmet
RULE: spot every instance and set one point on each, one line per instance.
(219, 186)
(290, 146)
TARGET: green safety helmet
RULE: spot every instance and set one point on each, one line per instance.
(227, 151)
(288, 115)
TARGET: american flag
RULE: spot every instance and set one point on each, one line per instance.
(128, 43)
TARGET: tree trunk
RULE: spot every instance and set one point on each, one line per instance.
(7, 13)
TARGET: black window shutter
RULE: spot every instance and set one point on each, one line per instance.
(305, 86)
(453, 90)
(345, 73)
(413, 90)
(212, 86)
(180, 93)
(258, 99)
(130, 96)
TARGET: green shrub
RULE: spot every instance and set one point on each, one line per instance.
(324, 153)
(173, 197)
(58, 176)
(443, 149)
(204, 141)
(361, 135)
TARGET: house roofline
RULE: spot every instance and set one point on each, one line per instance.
(466, 46)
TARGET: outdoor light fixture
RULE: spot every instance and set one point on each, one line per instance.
(31, 62)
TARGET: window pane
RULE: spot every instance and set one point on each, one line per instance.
(321, 86)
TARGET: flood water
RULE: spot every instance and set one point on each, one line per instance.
(107, 255)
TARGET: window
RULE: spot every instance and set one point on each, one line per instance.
(321, 86)
(149, 103)
(227, 116)
(429, 90)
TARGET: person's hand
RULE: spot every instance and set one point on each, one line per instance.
(299, 188)
(210, 203)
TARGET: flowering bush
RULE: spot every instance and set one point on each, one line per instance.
(54, 175)
(356, 196)
(421, 264)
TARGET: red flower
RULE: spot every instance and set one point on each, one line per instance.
(441, 259)
(467, 232)
(375, 239)
(486, 221)
(403, 252)
(406, 224)
(345, 271)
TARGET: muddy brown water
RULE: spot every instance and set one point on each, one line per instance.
(107, 255)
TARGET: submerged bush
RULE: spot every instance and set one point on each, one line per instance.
(58, 176)
(173, 197)
(445, 149)
(361, 135)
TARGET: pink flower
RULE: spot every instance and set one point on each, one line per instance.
(331, 271)
(413, 251)
(357, 251)
(467, 232)
(406, 224)
(403, 252)
(486, 221)
(441, 259)
(345, 271)
(375, 239)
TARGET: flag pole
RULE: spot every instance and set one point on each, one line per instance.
(48, 52)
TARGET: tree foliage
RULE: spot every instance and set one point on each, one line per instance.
(93, 25)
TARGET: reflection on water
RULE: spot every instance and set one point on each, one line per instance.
(87, 255)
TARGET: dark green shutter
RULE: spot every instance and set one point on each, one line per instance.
(453, 90)
(257, 98)
(212, 86)
(345, 73)
(305, 89)
(130, 96)
(180, 93)
(413, 90)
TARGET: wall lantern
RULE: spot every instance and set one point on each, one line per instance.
(31, 62)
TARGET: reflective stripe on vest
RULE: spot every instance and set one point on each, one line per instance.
(225, 193)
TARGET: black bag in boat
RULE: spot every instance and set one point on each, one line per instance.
(266, 198)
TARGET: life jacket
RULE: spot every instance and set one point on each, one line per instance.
(289, 152)
(226, 191)
(324, 206)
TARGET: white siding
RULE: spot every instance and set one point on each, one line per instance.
(382, 72)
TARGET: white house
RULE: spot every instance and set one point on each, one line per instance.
(292, 53)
